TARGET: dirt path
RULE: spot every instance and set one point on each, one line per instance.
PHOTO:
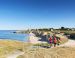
(15, 54)
(70, 43)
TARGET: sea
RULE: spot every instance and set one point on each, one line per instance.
(9, 35)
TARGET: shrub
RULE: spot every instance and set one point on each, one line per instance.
(42, 44)
(66, 33)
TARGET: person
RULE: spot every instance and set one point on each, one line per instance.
(50, 41)
(48, 35)
(55, 41)
(58, 41)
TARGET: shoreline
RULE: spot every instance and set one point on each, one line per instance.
(12, 40)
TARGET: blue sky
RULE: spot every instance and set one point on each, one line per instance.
(24, 14)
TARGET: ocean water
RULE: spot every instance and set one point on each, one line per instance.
(8, 34)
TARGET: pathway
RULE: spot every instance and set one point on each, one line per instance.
(15, 54)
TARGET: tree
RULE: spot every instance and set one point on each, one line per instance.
(62, 28)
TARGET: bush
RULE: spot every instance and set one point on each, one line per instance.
(66, 33)
(42, 44)
(20, 49)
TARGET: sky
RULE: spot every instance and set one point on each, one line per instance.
(26, 14)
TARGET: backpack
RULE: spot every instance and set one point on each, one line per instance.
(55, 40)
(50, 40)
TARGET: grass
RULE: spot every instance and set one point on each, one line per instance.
(58, 52)
(9, 46)
(41, 44)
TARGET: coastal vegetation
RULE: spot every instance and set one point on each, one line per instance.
(58, 52)
(61, 29)
(8, 47)
(39, 50)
